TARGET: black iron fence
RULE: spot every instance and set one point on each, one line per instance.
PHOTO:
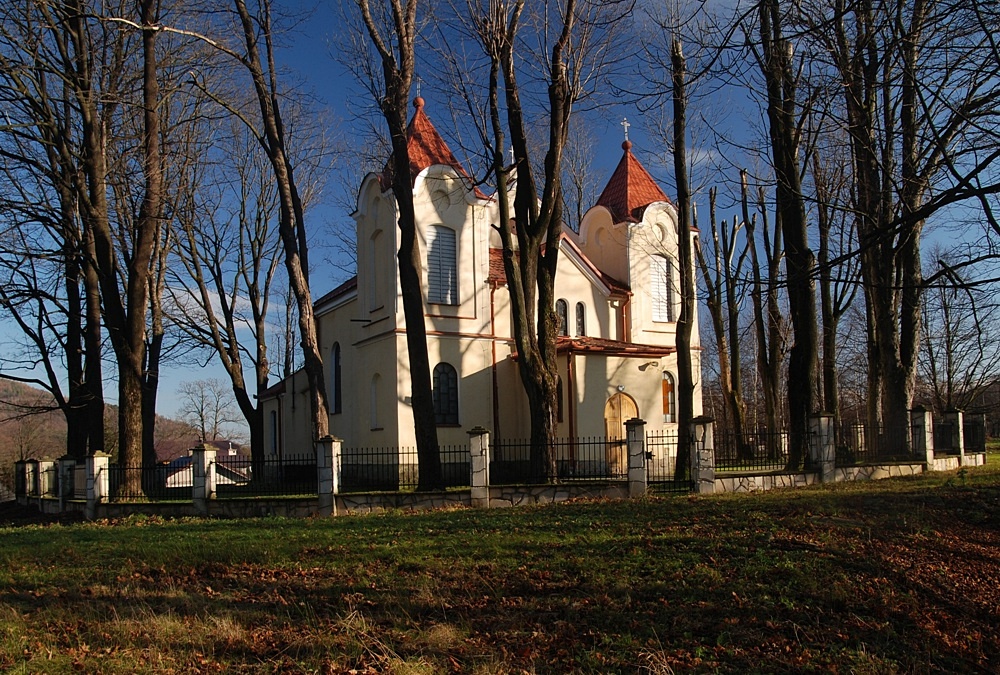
(591, 458)
(392, 468)
(243, 477)
(752, 451)
(860, 444)
(663, 472)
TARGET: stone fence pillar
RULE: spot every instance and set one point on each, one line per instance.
(479, 454)
(98, 482)
(823, 446)
(922, 428)
(327, 458)
(957, 420)
(635, 432)
(702, 454)
(203, 477)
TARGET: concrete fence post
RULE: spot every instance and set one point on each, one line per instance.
(98, 482)
(203, 477)
(702, 454)
(638, 481)
(327, 455)
(479, 457)
(823, 446)
(957, 420)
(922, 426)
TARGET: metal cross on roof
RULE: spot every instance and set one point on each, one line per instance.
(625, 125)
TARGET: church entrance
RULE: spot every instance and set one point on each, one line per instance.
(619, 408)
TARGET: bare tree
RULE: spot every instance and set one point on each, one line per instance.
(576, 46)
(209, 407)
(392, 30)
(722, 276)
(229, 255)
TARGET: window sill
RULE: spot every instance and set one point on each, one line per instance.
(448, 426)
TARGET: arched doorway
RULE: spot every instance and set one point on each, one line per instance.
(619, 408)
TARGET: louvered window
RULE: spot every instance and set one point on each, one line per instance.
(442, 267)
(445, 393)
(661, 273)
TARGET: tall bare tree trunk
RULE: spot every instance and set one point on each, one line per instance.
(791, 215)
(397, 72)
(685, 322)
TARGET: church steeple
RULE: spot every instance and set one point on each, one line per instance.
(426, 148)
(630, 188)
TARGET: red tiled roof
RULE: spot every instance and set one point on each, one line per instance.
(630, 189)
(497, 275)
(426, 148)
(593, 345)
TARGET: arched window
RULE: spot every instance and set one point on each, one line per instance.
(669, 401)
(336, 400)
(445, 393)
(581, 319)
(661, 277)
(376, 272)
(442, 267)
(559, 399)
(274, 432)
(562, 320)
(373, 402)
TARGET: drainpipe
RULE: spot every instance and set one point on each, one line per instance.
(571, 404)
(493, 349)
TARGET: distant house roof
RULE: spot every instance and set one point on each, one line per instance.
(630, 189)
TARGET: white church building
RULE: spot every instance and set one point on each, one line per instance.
(617, 286)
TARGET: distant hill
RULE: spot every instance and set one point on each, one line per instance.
(31, 427)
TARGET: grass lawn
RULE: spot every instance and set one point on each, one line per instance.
(894, 576)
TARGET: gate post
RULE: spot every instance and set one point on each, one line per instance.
(203, 476)
(823, 446)
(327, 453)
(922, 426)
(635, 432)
(702, 454)
(98, 483)
(479, 454)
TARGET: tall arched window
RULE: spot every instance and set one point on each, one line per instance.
(442, 266)
(445, 393)
(669, 401)
(274, 432)
(562, 319)
(376, 272)
(559, 399)
(373, 402)
(581, 319)
(336, 405)
(661, 278)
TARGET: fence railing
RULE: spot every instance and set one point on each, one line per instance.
(243, 477)
(859, 444)
(391, 468)
(589, 458)
(662, 471)
(751, 451)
